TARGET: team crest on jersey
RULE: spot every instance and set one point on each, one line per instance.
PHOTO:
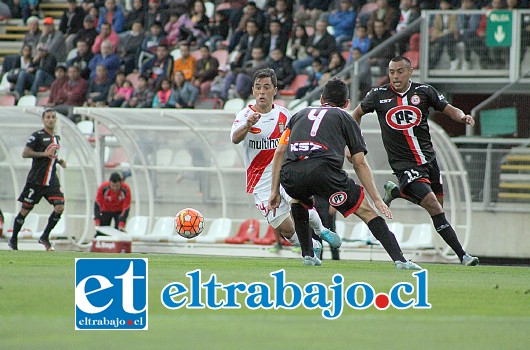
(338, 198)
(403, 117)
(415, 100)
(281, 127)
(254, 130)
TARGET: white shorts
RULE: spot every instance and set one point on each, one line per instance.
(282, 212)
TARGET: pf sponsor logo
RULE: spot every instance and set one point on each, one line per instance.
(403, 117)
(111, 294)
(337, 198)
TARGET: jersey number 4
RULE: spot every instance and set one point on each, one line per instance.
(316, 118)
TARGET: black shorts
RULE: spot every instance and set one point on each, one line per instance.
(303, 179)
(428, 173)
(33, 193)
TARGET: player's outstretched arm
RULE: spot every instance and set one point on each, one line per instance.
(241, 132)
(363, 171)
(458, 115)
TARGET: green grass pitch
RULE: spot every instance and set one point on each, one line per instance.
(483, 307)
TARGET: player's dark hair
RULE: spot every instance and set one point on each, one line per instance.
(400, 59)
(46, 110)
(265, 73)
(115, 177)
(335, 93)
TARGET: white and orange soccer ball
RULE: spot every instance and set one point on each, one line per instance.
(189, 223)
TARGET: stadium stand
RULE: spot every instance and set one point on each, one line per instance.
(28, 100)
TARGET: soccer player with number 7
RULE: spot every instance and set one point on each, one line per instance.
(43, 146)
(313, 146)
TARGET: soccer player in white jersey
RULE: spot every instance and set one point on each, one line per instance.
(259, 128)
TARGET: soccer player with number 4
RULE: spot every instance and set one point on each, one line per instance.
(402, 108)
(259, 128)
(313, 146)
(42, 181)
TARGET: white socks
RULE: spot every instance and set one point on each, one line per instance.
(315, 222)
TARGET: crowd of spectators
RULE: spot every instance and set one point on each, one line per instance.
(87, 56)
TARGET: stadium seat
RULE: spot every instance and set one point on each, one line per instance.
(133, 78)
(234, 105)
(248, 231)
(222, 56)
(397, 229)
(8, 224)
(414, 51)
(28, 100)
(182, 158)
(207, 103)
(251, 102)
(316, 103)
(298, 82)
(4, 85)
(86, 127)
(268, 239)
(43, 101)
(162, 231)
(71, 54)
(58, 232)
(176, 54)
(164, 156)
(280, 102)
(196, 54)
(420, 237)
(297, 105)
(136, 227)
(7, 100)
(218, 231)
(210, 9)
(359, 236)
(114, 156)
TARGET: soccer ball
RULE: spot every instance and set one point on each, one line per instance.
(189, 223)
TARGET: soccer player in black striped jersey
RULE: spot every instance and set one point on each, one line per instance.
(402, 108)
(314, 149)
(42, 181)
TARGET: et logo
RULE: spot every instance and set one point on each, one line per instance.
(111, 294)
(403, 117)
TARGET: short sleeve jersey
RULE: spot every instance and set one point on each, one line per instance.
(260, 144)
(403, 121)
(322, 133)
(43, 170)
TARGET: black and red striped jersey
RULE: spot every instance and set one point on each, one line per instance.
(322, 133)
(403, 121)
(42, 170)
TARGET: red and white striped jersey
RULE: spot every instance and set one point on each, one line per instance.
(260, 144)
